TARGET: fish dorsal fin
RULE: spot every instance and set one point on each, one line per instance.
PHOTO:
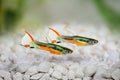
(27, 39)
(57, 33)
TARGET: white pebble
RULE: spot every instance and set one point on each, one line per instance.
(116, 74)
(51, 71)
(52, 79)
(5, 75)
(36, 76)
(44, 67)
(22, 68)
(65, 78)
(79, 73)
(1, 78)
(57, 75)
(102, 79)
(45, 77)
(26, 77)
(71, 74)
(32, 70)
(102, 73)
(77, 79)
(90, 70)
(18, 76)
(61, 69)
(87, 78)
(74, 67)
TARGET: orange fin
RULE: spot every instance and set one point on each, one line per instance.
(54, 41)
(57, 33)
(30, 36)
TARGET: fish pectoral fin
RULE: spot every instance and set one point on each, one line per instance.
(54, 41)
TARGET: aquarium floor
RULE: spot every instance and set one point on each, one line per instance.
(96, 62)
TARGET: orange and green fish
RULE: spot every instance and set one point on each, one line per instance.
(78, 40)
(30, 42)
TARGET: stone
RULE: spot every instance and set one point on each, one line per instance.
(1, 78)
(51, 71)
(65, 78)
(44, 67)
(114, 67)
(57, 75)
(77, 79)
(22, 68)
(90, 70)
(74, 67)
(53, 79)
(102, 79)
(36, 76)
(18, 76)
(45, 77)
(61, 69)
(26, 77)
(79, 73)
(32, 70)
(116, 74)
(71, 74)
(87, 78)
(102, 73)
(6, 75)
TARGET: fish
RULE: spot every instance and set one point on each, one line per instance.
(29, 42)
(75, 39)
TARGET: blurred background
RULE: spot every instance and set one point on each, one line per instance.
(24, 14)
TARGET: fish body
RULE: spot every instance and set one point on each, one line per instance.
(78, 40)
(28, 41)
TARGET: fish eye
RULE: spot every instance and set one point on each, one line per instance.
(58, 42)
(31, 47)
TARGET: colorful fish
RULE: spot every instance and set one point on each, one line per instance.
(78, 40)
(30, 42)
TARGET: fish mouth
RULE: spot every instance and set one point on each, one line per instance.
(92, 42)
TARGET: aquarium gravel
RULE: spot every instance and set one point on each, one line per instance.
(95, 62)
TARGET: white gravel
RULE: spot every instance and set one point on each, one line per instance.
(57, 75)
(44, 67)
(36, 76)
(116, 74)
(18, 76)
(97, 62)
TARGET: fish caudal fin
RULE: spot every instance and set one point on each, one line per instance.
(27, 39)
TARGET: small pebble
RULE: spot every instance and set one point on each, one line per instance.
(1, 78)
(71, 74)
(18, 76)
(79, 73)
(116, 74)
(65, 78)
(61, 69)
(51, 71)
(87, 78)
(102, 73)
(57, 75)
(22, 68)
(44, 67)
(36, 76)
(32, 70)
(77, 79)
(90, 70)
(45, 77)
(6, 75)
(26, 77)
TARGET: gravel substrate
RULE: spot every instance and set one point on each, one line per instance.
(97, 62)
